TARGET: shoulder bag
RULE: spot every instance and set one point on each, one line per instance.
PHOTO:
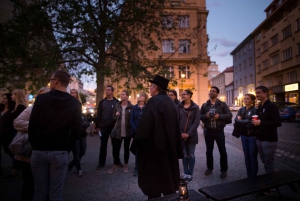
(20, 145)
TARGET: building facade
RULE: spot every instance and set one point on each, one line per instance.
(277, 51)
(213, 71)
(222, 80)
(244, 69)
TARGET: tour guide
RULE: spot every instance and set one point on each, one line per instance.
(158, 143)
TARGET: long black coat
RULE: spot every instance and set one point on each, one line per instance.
(159, 146)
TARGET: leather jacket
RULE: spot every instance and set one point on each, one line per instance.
(246, 122)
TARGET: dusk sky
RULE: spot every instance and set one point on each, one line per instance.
(229, 23)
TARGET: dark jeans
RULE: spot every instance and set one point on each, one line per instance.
(116, 143)
(188, 160)
(28, 184)
(210, 137)
(250, 153)
(105, 131)
(78, 152)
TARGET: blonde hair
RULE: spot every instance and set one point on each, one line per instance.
(45, 89)
(20, 97)
(145, 95)
(78, 96)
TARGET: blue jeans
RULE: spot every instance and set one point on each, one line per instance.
(211, 136)
(266, 152)
(49, 172)
(188, 160)
(105, 131)
(250, 153)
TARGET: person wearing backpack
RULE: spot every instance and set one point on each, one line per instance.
(215, 114)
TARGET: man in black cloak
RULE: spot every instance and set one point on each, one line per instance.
(158, 143)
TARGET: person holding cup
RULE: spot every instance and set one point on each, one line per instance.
(248, 134)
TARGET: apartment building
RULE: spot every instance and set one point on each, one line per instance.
(244, 69)
(277, 50)
(186, 58)
(222, 80)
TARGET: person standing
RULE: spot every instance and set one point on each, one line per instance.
(214, 115)
(173, 95)
(158, 144)
(189, 119)
(135, 119)
(122, 113)
(54, 127)
(105, 122)
(248, 134)
(79, 148)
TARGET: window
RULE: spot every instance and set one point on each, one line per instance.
(251, 79)
(275, 59)
(241, 84)
(245, 64)
(235, 57)
(265, 64)
(259, 68)
(250, 46)
(274, 40)
(287, 54)
(279, 2)
(258, 52)
(298, 49)
(269, 82)
(168, 46)
(184, 21)
(278, 80)
(250, 61)
(168, 71)
(258, 36)
(264, 46)
(298, 24)
(244, 50)
(286, 32)
(236, 84)
(167, 21)
(292, 76)
(235, 69)
(245, 80)
(239, 54)
(184, 70)
(240, 67)
(184, 46)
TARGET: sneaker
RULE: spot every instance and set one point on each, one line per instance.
(183, 176)
(223, 174)
(100, 167)
(112, 170)
(263, 194)
(120, 165)
(9, 177)
(189, 179)
(79, 173)
(70, 168)
(208, 172)
(135, 173)
(125, 170)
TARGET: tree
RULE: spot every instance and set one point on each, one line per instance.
(83, 98)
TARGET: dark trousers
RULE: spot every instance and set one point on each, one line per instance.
(116, 143)
(210, 137)
(105, 132)
(28, 184)
(78, 152)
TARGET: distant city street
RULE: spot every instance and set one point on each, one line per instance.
(98, 185)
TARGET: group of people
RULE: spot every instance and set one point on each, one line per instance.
(163, 130)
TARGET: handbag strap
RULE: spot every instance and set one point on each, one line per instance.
(116, 121)
(187, 121)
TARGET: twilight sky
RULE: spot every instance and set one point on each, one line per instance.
(229, 23)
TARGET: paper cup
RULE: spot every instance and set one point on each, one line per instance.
(254, 117)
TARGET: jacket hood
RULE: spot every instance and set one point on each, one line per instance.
(192, 107)
(58, 98)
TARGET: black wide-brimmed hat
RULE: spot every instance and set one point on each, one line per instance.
(161, 82)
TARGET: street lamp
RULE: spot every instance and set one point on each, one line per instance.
(182, 77)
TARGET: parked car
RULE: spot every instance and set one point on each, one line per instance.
(288, 112)
(298, 117)
(283, 104)
(234, 107)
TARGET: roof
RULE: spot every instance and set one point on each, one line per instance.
(228, 70)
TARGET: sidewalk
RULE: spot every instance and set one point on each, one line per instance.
(98, 185)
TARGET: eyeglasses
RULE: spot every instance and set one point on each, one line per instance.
(170, 95)
(183, 94)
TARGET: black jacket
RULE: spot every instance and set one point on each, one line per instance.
(105, 113)
(221, 108)
(248, 129)
(270, 120)
(55, 122)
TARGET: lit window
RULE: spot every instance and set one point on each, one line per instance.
(168, 46)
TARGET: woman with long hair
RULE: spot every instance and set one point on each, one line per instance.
(21, 125)
(79, 148)
(173, 95)
(7, 105)
(19, 96)
(248, 134)
(189, 119)
(135, 118)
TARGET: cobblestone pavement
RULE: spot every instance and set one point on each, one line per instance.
(98, 185)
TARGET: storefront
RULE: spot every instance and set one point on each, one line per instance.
(292, 93)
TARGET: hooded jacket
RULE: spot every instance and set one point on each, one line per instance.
(55, 122)
(191, 123)
(128, 111)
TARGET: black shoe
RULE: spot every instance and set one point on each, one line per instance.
(223, 174)
(263, 194)
(208, 172)
(9, 177)
(100, 167)
(135, 173)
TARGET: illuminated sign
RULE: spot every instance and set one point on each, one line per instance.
(291, 87)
